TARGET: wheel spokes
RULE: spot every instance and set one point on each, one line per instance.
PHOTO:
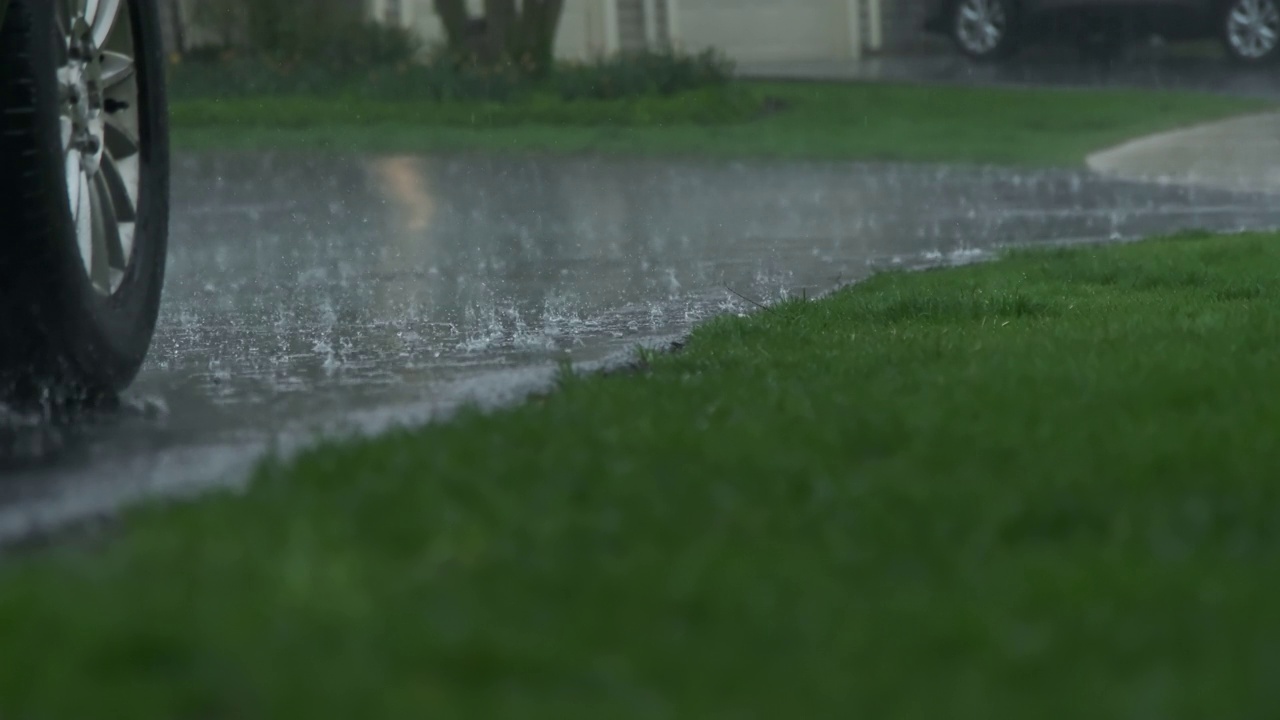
(116, 68)
(64, 12)
(119, 180)
(65, 128)
(84, 218)
(980, 24)
(1254, 27)
(99, 255)
(121, 142)
(100, 132)
(108, 242)
(102, 19)
(73, 173)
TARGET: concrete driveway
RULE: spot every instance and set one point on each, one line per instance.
(1237, 154)
(1242, 154)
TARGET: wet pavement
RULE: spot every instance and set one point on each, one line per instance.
(1237, 154)
(312, 295)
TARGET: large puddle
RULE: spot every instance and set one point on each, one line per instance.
(309, 292)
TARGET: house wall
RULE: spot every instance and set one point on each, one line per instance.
(581, 31)
(767, 29)
(743, 29)
(746, 30)
(902, 22)
(631, 25)
(581, 34)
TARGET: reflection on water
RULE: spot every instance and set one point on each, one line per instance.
(368, 277)
(307, 288)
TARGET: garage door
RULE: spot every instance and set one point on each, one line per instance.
(753, 30)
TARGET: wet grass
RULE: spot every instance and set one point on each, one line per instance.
(759, 119)
(1042, 487)
(710, 106)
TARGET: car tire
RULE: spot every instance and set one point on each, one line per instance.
(84, 163)
(985, 29)
(1250, 30)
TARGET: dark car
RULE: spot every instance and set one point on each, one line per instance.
(990, 29)
(84, 194)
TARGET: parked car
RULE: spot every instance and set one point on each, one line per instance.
(84, 194)
(991, 29)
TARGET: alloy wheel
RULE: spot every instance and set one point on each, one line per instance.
(980, 25)
(1253, 28)
(98, 116)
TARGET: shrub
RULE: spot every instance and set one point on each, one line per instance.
(238, 73)
(642, 74)
(232, 75)
(329, 33)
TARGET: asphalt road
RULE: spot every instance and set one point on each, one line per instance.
(312, 295)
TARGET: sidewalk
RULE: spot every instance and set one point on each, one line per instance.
(1240, 154)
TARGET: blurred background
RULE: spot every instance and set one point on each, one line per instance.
(385, 208)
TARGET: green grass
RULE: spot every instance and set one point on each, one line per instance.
(1043, 487)
(707, 107)
(818, 121)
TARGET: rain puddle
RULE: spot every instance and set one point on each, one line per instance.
(332, 294)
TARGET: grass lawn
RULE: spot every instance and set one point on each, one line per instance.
(1043, 487)
(815, 120)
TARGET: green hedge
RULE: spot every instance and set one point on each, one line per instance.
(649, 74)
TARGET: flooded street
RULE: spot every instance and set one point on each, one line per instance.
(311, 295)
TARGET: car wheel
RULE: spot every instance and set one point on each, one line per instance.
(984, 29)
(1251, 30)
(84, 172)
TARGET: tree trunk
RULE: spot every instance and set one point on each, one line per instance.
(501, 24)
(537, 34)
(456, 21)
(506, 34)
(179, 24)
(171, 27)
